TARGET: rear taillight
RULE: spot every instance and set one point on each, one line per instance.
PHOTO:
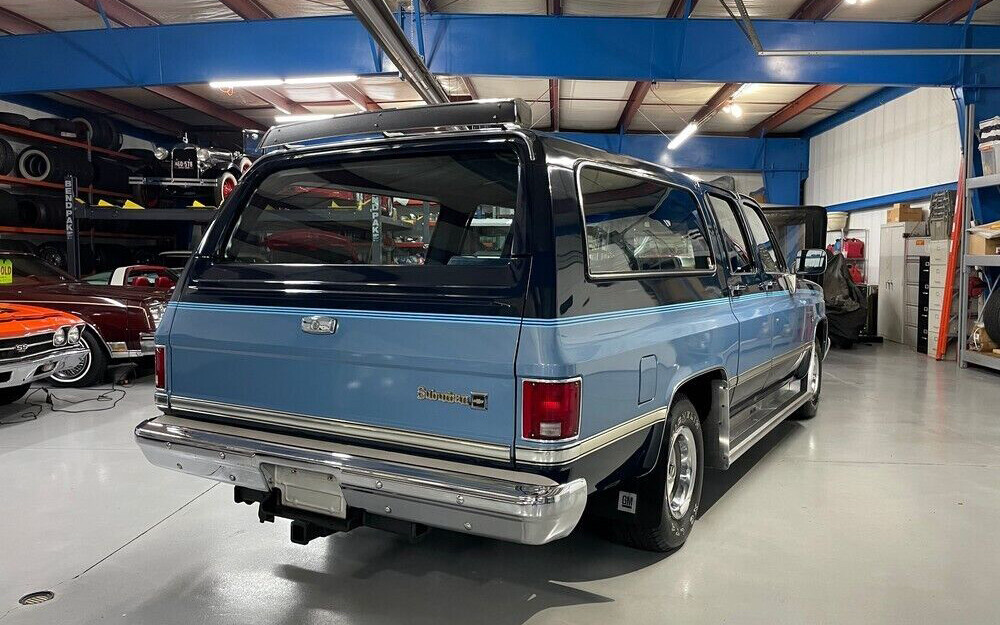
(551, 409)
(160, 366)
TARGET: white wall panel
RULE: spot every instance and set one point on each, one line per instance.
(909, 143)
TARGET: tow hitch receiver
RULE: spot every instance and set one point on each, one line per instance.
(307, 526)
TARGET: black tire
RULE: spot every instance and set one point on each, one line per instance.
(10, 394)
(94, 371)
(808, 410)
(991, 316)
(224, 186)
(674, 525)
(57, 127)
(53, 164)
(53, 254)
(15, 120)
(100, 130)
(110, 175)
(8, 158)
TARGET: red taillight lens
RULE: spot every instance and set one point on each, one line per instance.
(160, 366)
(551, 410)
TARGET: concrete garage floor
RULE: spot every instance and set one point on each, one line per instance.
(882, 509)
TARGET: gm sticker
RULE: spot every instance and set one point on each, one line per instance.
(6, 272)
(626, 502)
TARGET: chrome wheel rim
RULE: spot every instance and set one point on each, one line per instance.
(77, 371)
(682, 471)
(813, 375)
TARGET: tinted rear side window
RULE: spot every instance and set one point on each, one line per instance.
(448, 209)
(636, 224)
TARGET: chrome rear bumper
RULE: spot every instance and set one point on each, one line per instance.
(507, 505)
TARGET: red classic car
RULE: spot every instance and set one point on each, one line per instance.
(120, 321)
(35, 343)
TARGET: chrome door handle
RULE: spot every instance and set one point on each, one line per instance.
(736, 289)
(319, 324)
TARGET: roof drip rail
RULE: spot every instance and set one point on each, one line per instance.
(460, 116)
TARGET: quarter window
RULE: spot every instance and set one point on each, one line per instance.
(737, 247)
(766, 248)
(636, 224)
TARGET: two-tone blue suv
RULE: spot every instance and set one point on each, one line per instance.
(437, 318)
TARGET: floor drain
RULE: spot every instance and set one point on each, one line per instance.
(34, 598)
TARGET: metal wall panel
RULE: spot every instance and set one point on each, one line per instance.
(910, 143)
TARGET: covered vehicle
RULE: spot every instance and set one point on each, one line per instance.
(120, 321)
(35, 343)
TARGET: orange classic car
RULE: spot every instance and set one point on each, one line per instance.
(35, 343)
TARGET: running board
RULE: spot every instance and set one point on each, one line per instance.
(744, 445)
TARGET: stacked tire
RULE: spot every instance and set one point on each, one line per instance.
(100, 130)
(8, 158)
(51, 163)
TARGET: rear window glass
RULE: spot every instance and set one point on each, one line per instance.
(636, 224)
(454, 208)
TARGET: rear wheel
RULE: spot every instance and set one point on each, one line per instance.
(90, 369)
(224, 186)
(678, 478)
(10, 394)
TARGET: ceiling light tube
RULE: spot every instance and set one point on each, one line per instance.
(253, 82)
(683, 136)
(320, 80)
(310, 117)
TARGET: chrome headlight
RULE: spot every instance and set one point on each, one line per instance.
(161, 153)
(59, 338)
(203, 154)
(73, 335)
(156, 312)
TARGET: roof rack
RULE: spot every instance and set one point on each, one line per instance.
(478, 113)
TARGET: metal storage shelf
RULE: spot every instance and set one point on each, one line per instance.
(982, 181)
(981, 359)
(56, 185)
(199, 215)
(32, 134)
(982, 261)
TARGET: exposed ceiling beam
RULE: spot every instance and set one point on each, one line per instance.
(815, 9)
(715, 104)
(248, 9)
(794, 108)
(676, 9)
(358, 97)
(944, 13)
(382, 26)
(14, 24)
(121, 12)
(949, 11)
(554, 103)
(635, 100)
(206, 106)
(278, 101)
(119, 107)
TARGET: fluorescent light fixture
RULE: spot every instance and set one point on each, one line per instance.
(253, 82)
(683, 136)
(320, 80)
(311, 117)
(733, 109)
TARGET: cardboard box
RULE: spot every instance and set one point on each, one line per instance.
(981, 246)
(903, 212)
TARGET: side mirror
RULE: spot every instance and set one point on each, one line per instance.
(810, 263)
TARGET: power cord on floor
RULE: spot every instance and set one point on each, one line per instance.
(112, 394)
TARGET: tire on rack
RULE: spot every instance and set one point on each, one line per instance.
(35, 163)
(110, 175)
(51, 164)
(92, 368)
(14, 119)
(8, 157)
(814, 382)
(224, 186)
(57, 127)
(100, 131)
(675, 484)
(10, 394)
(991, 316)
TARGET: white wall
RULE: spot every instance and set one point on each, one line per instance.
(909, 143)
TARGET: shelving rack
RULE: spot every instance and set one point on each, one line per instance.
(966, 356)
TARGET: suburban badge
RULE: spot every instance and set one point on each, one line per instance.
(475, 400)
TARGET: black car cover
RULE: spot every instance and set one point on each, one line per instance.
(846, 304)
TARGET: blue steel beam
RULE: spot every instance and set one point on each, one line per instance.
(581, 47)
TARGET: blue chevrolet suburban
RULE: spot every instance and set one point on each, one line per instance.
(436, 317)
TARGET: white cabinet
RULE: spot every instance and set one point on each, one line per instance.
(898, 278)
